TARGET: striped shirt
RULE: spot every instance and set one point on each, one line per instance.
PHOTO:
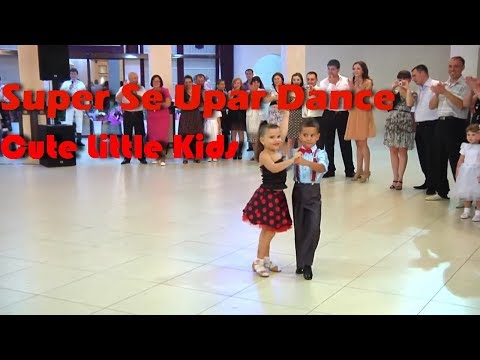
(445, 106)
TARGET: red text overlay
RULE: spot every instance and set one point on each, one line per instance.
(211, 100)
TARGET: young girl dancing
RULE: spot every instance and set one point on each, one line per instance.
(467, 187)
(268, 206)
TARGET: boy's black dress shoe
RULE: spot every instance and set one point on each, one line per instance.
(421, 187)
(299, 271)
(307, 272)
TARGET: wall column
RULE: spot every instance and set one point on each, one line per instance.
(29, 71)
(160, 63)
(293, 60)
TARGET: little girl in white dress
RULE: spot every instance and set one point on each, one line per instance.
(467, 185)
(212, 128)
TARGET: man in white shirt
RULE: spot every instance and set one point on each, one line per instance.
(426, 121)
(312, 79)
(208, 84)
(335, 120)
(73, 115)
(452, 100)
(133, 119)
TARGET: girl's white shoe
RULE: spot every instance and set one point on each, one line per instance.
(476, 217)
(258, 266)
(271, 266)
(465, 214)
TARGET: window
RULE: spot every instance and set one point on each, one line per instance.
(194, 59)
(198, 50)
(200, 66)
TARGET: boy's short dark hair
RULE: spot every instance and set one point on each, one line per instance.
(309, 122)
(334, 62)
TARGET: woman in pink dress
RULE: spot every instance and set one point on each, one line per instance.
(158, 121)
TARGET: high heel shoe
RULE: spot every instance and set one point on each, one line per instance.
(399, 185)
(357, 176)
(364, 177)
(394, 185)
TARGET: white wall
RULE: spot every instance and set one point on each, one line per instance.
(9, 69)
(471, 54)
(245, 57)
(132, 65)
(383, 61)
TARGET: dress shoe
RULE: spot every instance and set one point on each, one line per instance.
(299, 271)
(437, 197)
(307, 272)
(329, 174)
(430, 192)
(350, 174)
(125, 162)
(143, 161)
(421, 187)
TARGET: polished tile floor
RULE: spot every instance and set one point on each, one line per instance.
(101, 238)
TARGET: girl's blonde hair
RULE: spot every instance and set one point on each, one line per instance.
(235, 80)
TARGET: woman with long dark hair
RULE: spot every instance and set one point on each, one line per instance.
(254, 116)
(361, 125)
(295, 115)
(191, 121)
(237, 120)
(275, 115)
(400, 127)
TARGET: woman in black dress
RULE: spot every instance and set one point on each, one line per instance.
(191, 121)
(295, 115)
(225, 121)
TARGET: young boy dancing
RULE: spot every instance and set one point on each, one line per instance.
(306, 196)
